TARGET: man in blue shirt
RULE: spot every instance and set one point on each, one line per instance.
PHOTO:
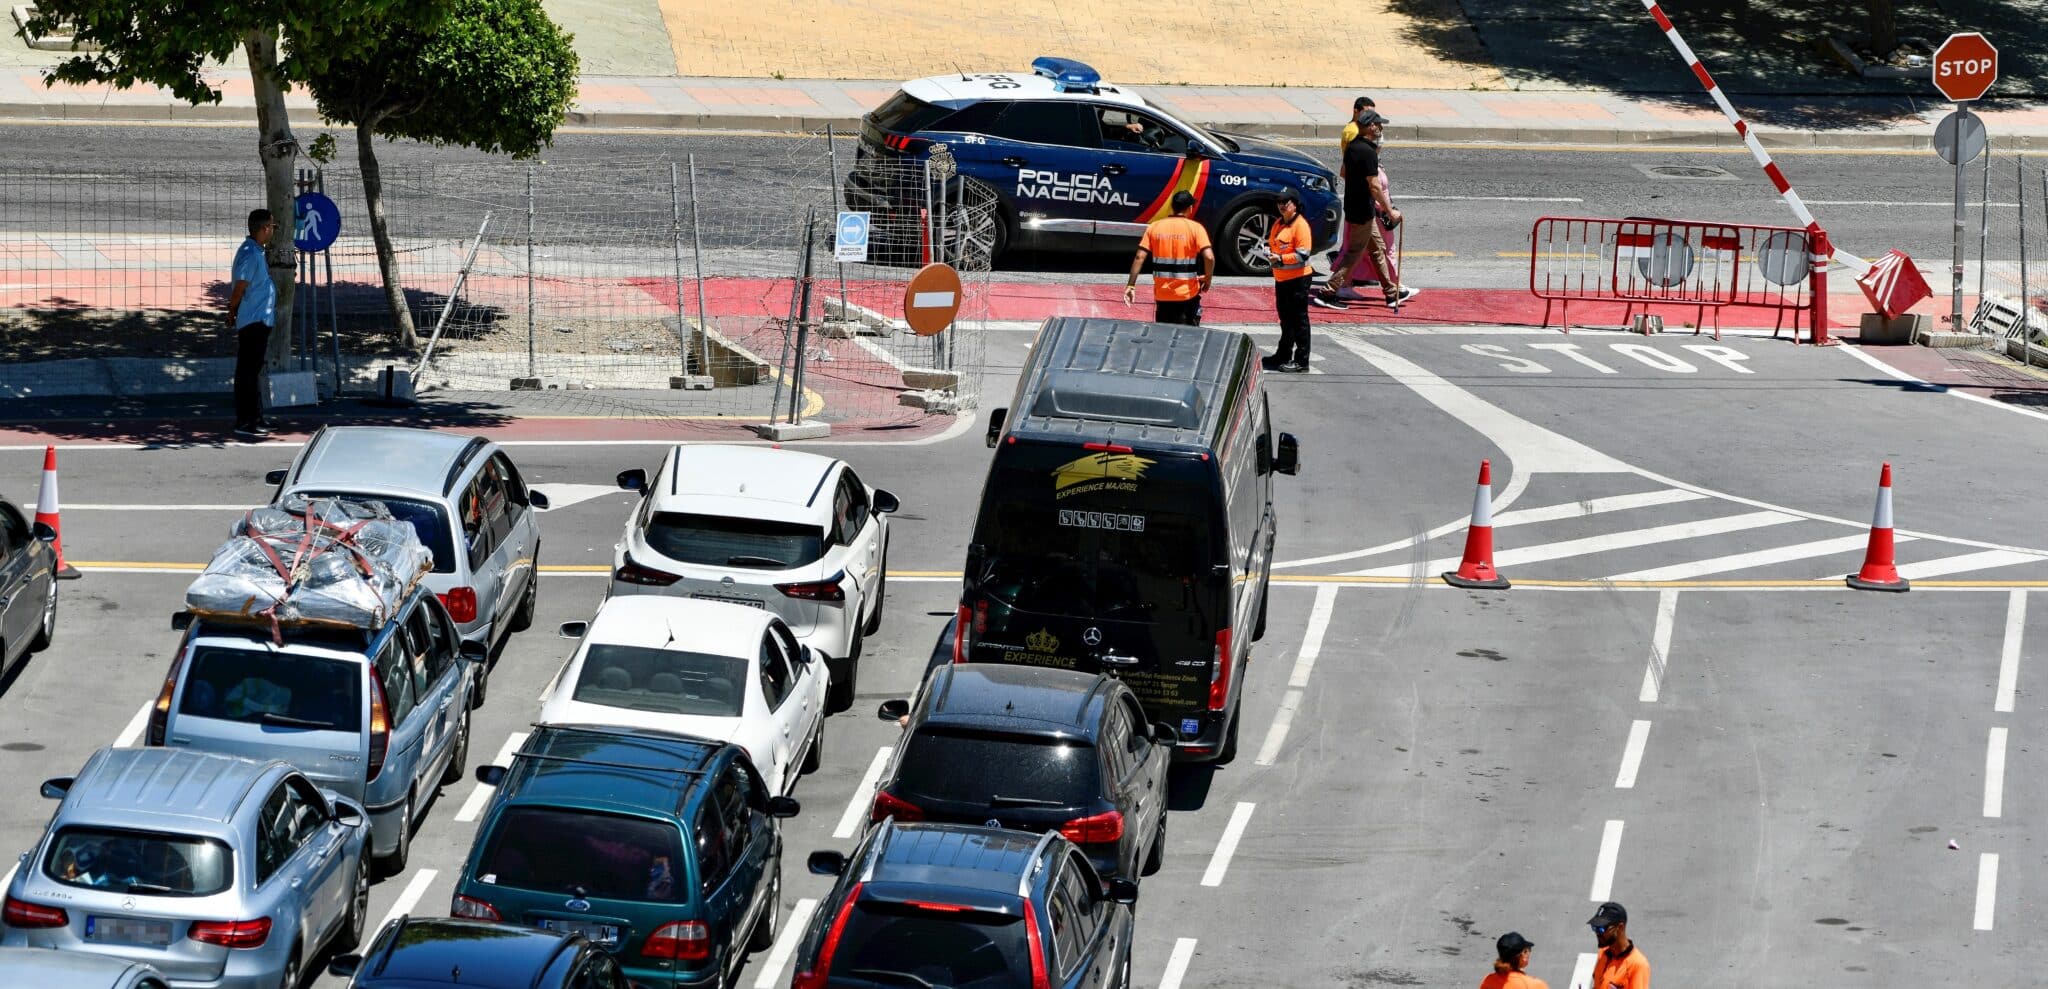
(252, 309)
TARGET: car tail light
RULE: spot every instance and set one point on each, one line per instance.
(684, 940)
(473, 909)
(889, 805)
(1038, 979)
(461, 604)
(160, 712)
(633, 573)
(816, 590)
(23, 915)
(960, 635)
(821, 968)
(1219, 672)
(937, 907)
(380, 727)
(1095, 829)
(231, 933)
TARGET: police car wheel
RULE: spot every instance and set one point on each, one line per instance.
(1244, 239)
(987, 235)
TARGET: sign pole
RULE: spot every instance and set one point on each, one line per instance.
(1962, 192)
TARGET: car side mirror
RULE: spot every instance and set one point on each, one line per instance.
(537, 500)
(996, 417)
(55, 789)
(1163, 733)
(181, 621)
(43, 532)
(490, 775)
(807, 655)
(894, 710)
(783, 807)
(574, 630)
(634, 480)
(348, 815)
(276, 476)
(1288, 459)
(886, 503)
(344, 966)
(475, 652)
(1122, 890)
(826, 863)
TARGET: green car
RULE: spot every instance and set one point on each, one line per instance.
(662, 848)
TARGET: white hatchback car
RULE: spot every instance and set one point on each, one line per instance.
(793, 533)
(703, 668)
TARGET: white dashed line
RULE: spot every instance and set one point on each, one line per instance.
(1987, 889)
(1277, 735)
(408, 897)
(135, 725)
(1660, 646)
(1632, 755)
(480, 796)
(1582, 970)
(1177, 963)
(785, 944)
(1232, 833)
(2009, 656)
(1312, 637)
(863, 795)
(1994, 773)
(1603, 867)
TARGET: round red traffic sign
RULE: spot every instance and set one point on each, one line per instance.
(1965, 66)
(931, 299)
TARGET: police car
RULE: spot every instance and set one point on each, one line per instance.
(1076, 164)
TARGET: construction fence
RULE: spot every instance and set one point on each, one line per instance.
(688, 286)
(2011, 230)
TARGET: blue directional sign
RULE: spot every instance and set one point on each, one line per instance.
(850, 238)
(316, 222)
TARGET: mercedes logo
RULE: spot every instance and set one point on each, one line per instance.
(128, 904)
(1093, 637)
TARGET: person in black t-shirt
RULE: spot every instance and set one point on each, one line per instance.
(1365, 203)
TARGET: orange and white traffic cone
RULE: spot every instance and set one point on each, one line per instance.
(46, 513)
(1880, 572)
(1477, 569)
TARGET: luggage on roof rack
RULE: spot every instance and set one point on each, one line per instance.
(326, 561)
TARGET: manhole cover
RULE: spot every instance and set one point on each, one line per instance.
(1700, 172)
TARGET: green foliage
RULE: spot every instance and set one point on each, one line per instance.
(496, 75)
(322, 149)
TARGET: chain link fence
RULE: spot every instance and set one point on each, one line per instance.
(2012, 230)
(683, 287)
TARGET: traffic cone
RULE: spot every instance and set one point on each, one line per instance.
(1477, 569)
(1879, 572)
(46, 513)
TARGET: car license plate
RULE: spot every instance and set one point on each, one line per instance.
(606, 934)
(127, 930)
(729, 599)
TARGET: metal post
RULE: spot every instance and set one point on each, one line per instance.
(838, 205)
(454, 292)
(1962, 194)
(697, 258)
(803, 314)
(675, 236)
(333, 327)
(782, 368)
(1984, 221)
(2019, 172)
(530, 362)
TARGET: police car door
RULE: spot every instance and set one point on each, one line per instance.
(1143, 162)
(1046, 151)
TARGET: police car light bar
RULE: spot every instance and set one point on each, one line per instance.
(1066, 74)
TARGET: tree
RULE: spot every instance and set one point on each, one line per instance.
(169, 44)
(496, 75)
(1884, 27)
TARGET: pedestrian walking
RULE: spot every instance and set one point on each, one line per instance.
(1288, 244)
(1365, 206)
(1511, 970)
(1183, 264)
(252, 308)
(1618, 965)
(1359, 107)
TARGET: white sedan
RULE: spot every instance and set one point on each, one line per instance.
(704, 668)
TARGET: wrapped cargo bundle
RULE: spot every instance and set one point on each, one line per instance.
(324, 561)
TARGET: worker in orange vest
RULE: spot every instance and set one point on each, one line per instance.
(1619, 965)
(1512, 970)
(1288, 244)
(1183, 264)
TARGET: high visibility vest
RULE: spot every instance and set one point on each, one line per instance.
(1289, 245)
(1176, 244)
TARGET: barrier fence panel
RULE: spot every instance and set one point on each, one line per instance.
(1641, 262)
(2012, 230)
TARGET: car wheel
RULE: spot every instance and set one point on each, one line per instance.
(351, 934)
(1230, 741)
(458, 761)
(290, 978)
(764, 928)
(816, 757)
(841, 696)
(986, 237)
(881, 594)
(394, 863)
(1156, 858)
(48, 629)
(1244, 239)
(523, 618)
(479, 680)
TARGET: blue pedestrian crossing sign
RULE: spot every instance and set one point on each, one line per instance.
(850, 238)
(316, 222)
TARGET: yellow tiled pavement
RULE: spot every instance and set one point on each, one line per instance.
(1199, 42)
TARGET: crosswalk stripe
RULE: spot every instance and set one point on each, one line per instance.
(1759, 558)
(1983, 560)
(1606, 542)
(1594, 506)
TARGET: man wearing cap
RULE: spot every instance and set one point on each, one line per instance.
(1183, 264)
(1511, 971)
(1618, 965)
(1365, 201)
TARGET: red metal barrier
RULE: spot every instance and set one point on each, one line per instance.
(1697, 265)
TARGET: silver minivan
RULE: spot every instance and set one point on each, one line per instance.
(380, 717)
(464, 498)
(211, 870)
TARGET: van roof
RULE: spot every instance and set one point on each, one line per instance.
(1129, 381)
(127, 784)
(603, 768)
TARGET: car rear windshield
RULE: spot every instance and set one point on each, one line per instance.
(964, 950)
(905, 113)
(1129, 563)
(663, 681)
(610, 856)
(143, 862)
(429, 522)
(944, 763)
(285, 690)
(727, 541)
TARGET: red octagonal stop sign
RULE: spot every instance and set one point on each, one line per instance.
(1965, 66)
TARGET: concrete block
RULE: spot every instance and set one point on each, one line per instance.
(942, 402)
(780, 432)
(928, 379)
(289, 389)
(692, 382)
(1875, 329)
(1929, 338)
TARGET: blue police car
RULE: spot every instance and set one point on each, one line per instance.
(1077, 164)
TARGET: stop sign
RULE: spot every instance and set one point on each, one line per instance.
(1965, 66)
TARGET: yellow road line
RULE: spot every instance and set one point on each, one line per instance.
(1524, 255)
(1429, 254)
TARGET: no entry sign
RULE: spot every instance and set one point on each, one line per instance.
(932, 299)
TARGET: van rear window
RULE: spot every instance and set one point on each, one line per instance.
(608, 856)
(282, 690)
(1134, 564)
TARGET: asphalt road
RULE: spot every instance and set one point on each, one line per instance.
(1767, 770)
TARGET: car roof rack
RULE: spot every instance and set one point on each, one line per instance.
(1068, 75)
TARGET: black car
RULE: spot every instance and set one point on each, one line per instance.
(966, 908)
(28, 586)
(1036, 750)
(410, 953)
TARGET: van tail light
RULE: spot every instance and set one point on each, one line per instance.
(981, 616)
(816, 590)
(1096, 829)
(1219, 672)
(160, 712)
(960, 635)
(815, 976)
(23, 915)
(889, 805)
(684, 940)
(231, 933)
(1106, 447)
(630, 572)
(1038, 979)
(380, 727)
(473, 909)
(461, 604)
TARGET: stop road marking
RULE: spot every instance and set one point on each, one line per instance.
(1644, 354)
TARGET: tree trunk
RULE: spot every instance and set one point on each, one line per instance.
(280, 151)
(1884, 27)
(380, 231)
